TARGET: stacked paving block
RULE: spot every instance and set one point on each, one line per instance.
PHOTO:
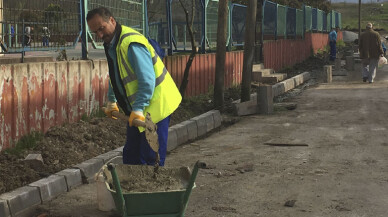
(266, 76)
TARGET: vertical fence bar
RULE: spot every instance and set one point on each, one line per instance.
(169, 26)
(84, 29)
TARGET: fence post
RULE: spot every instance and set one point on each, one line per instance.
(276, 22)
(204, 26)
(304, 21)
(84, 29)
(229, 38)
(169, 26)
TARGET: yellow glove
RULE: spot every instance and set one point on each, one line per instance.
(111, 107)
(136, 115)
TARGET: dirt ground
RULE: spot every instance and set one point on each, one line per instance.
(340, 171)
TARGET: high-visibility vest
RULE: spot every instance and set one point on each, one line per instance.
(166, 97)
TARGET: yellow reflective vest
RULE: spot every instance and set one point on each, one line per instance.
(166, 97)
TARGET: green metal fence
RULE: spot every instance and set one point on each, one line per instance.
(299, 22)
(126, 12)
(281, 21)
(40, 25)
(308, 18)
(284, 22)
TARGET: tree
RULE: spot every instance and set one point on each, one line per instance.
(248, 51)
(185, 79)
(221, 53)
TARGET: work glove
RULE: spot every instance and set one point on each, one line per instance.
(136, 115)
(111, 107)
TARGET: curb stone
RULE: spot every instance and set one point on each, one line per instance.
(181, 132)
(208, 116)
(15, 202)
(50, 187)
(89, 168)
(73, 177)
(290, 83)
(201, 125)
(4, 209)
(107, 156)
(172, 139)
(21, 198)
(191, 129)
(119, 150)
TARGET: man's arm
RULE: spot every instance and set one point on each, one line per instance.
(140, 59)
(111, 94)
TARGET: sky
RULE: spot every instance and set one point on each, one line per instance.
(356, 1)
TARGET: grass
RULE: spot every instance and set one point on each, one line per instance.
(371, 12)
(25, 143)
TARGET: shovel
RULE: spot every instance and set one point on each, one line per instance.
(150, 132)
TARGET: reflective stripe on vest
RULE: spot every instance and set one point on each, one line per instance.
(132, 76)
(166, 96)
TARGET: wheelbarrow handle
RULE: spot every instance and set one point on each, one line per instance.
(197, 165)
(116, 183)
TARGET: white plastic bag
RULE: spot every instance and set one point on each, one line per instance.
(382, 61)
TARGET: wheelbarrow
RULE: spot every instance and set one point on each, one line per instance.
(160, 203)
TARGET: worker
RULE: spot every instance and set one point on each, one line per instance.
(333, 43)
(139, 84)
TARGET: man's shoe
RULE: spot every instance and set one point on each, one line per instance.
(364, 79)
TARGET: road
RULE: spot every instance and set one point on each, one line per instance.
(341, 172)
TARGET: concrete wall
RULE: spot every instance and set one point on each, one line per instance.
(37, 96)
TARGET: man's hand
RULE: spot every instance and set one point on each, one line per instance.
(136, 115)
(111, 107)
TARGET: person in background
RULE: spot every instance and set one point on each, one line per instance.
(384, 47)
(333, 42)
(27, 35)
(45, 36)
(370, 51)
(12, 36)
(139, 84)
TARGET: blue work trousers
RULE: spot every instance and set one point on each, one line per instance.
(137, 150)
(333, 50)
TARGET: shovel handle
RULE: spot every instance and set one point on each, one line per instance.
(122, 116)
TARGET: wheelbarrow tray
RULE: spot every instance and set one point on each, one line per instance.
(158, 203)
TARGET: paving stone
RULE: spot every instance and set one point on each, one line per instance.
(201, 125)
(172, 141)
(50, 187)
(182, 133)
(4, 209)
(21, 198)
(246, 108)
(328, 73)
(265, 99)
(191, 129)
(73, 177)
(209, 121)
(109, 155)
(217, 118)
(89, 168)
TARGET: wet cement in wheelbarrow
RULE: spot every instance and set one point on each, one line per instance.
(142, 178)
